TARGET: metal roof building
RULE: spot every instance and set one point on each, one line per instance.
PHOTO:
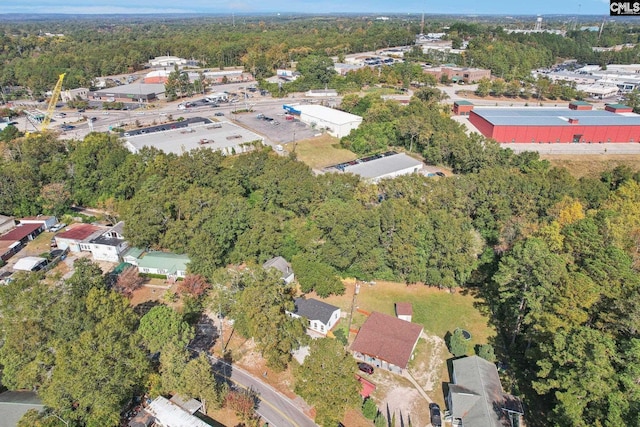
(555, 125)
(134, 92)
(337, 123)
(384, 167)
(14, 404)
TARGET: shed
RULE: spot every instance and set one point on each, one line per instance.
(7, 223)
(30, 263)
(9, 248)
(462, 108)
(404, 311)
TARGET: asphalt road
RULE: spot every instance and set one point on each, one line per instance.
(273, 407)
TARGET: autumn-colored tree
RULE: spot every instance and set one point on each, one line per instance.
(243, 402)
(193, 284)
(128, 281)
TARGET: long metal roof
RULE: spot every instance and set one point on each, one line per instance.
(532, 116)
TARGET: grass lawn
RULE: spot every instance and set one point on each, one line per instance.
(592, 165)
(322, 151)
(439, 311)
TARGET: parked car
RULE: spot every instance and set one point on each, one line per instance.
(441, 174)
(219, 113)
(58, 227)
(365, 367)
(434, 410)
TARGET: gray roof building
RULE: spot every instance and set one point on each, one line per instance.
(313, 309)
(385, 167)
(476, 398)
(283, 266)
(14, 404)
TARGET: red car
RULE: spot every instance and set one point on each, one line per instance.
(365, 367)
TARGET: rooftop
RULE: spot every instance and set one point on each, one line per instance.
(170, 414)
(14, 404)
(477, 396)
(28, 263)
(216, 136)
(383, 166)
(532, 116)
(79, 232)
(463, 102)
(164, 260)
(280, 264)
(111, 237)
(133, 89)
(314, 309)
(329, 114)
(388, 338)
(404, 309)
(20, 232)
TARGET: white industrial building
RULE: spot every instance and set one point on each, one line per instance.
(335, 122)
(167, 61)
(388, 166)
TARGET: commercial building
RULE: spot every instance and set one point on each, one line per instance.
(462, 108)
(134, 92)
(167, 61)
(335, 122)
(557, 125)
(459, 74)
(381, 166)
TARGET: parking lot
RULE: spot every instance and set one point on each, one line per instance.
(279, 130)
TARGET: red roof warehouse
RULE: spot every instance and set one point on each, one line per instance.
(552, 125)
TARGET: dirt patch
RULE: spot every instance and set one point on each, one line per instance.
(395, 394)
(427, 366)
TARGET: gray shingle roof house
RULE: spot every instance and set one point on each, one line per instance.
(14, 404)
(281, 265)
(322, 317)
(476, 398)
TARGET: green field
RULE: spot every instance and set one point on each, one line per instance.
(322, 151)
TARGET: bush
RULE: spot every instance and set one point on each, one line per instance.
(369, 409)
(458, 344)
(487, 352)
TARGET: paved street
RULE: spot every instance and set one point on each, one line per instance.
(273, 407)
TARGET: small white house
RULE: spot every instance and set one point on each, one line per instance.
(283, 266)
(170, 265)
(322, 317)
(47, 221)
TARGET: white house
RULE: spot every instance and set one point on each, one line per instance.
(173, 266)
(109, 245)
(77, 237)
(322, 317)
(283, 266)
(47, 221)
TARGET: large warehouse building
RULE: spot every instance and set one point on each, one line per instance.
(556, 125)
(135, 92)
(337, 123)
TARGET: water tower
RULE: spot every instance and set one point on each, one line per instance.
(538, 23)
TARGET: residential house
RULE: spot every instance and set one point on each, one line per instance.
(476, 398)
(23, 233)
(404, 311)
(109, 245)
(7, 223)
(169, 414)
(46, 221)
(132, 255)
(77, 237)
(172, 266)
(281, 265)
(9, 248)
(386, 342)
(14, 404)
(322, 317)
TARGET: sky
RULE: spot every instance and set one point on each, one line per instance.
(466, 7)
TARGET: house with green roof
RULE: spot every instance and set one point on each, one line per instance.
(168, 264)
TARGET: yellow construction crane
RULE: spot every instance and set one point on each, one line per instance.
(52, 103)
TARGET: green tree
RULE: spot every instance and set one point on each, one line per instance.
(316, 276)
(369, 409)
(458, 345)
(487, 352)
(162, 325)
(198, 382)
(327, 381)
